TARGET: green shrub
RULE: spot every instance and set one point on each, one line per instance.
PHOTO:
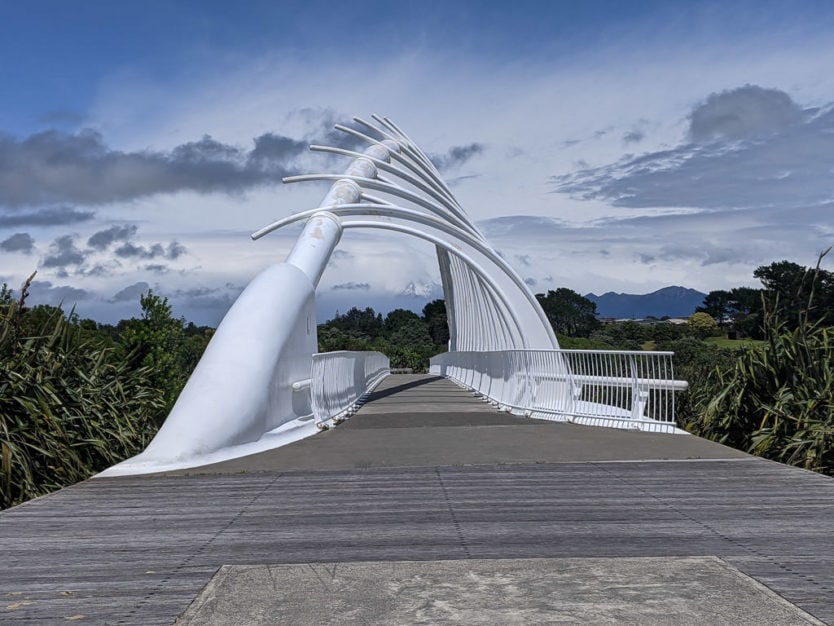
(777, 400)
(69, 406)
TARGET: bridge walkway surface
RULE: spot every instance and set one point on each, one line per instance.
(428, 506)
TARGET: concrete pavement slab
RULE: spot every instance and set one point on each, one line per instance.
(649, 591)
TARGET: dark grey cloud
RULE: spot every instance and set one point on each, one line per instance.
(50, 216)
(324, 131)
(103, 238)
(531, 282)
(196, 292)
(131, 292)
(743, 113)
(63, 252)
(19, 242)
(172, 251)
(157, 268)
(456, 155)
(351, 286)
(524, 259)
(634, 136)
(749, 148)
(99, 269)
(205, 305)
(44, 292)
(271, 149)
(54, 167)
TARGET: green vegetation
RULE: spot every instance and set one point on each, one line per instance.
(408, 339)
(76, 396)
(777, 400)
(734, 344)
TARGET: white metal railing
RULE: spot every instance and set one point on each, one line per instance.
(340, 380)
(597, 387)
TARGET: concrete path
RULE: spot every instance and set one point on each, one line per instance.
(647, 591)
(578, 530)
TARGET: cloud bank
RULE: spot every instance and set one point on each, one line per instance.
(748, 148)
(53, 167)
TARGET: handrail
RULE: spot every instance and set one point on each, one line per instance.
(621, 389)
(341, 380)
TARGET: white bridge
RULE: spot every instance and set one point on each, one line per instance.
(261, 383)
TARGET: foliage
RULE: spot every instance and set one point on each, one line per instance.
(702, 325)
(583, 343)
(734, 344)
(408, 339)
(739, 310)
(159, 342)
(569, 313)
(694, 361)
(777, 401)
(789, 288)
(69, 405)
(434, 313)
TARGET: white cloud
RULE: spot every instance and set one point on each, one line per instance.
(537, 117)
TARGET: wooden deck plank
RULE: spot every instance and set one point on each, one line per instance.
(136, 550)
(756, 515)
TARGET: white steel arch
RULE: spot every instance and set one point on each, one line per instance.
(435, 209)
(260, 383)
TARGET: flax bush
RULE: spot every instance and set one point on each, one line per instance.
(777, 401)
(69, 407)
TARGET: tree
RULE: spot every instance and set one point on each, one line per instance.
(402, 318)
(701, 324)
(435, 316)
(158, 341)
(788, 288)
(718, 304)
(569, 313)
(366, 323)
(746, 311)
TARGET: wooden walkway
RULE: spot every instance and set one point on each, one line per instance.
(137, 550)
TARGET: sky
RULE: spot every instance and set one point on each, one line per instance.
(599, 145)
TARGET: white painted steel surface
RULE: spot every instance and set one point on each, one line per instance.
(260, 384)
(633, 390)
(341, 380)
(487, 301)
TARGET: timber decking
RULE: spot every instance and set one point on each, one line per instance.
(136, 550)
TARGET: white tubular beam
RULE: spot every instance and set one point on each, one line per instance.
(421, 156)
(315, 244)
(427, 220)
(407, 162)
(494, 287)
(406, 176)
(387, 187)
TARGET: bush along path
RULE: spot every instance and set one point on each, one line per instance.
(777, 400)
(73, 401)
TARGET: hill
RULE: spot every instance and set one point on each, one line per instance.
(669, 301)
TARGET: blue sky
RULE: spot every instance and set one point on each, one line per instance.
(612, 145)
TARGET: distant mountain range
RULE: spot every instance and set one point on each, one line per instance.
(669, 301)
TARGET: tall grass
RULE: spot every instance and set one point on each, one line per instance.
(777, 401)
(68, 406)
